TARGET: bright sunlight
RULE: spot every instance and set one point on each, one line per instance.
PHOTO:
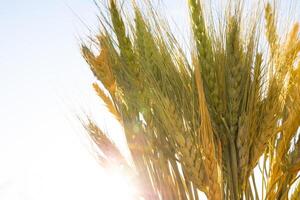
(118, 186)
(150, 100)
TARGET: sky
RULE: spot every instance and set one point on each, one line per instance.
(45, 84)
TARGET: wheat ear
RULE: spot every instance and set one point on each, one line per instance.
(271, 31)
(101, 67)
(108, 102)
(206, 138)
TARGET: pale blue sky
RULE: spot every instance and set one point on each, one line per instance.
(44, 82)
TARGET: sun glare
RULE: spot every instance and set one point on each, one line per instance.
(118, 186)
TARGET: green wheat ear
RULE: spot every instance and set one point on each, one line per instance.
(205, 121)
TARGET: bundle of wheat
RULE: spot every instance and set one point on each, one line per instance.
(201, 121)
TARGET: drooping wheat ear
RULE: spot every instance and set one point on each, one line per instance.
(271, 30)
(206, 138)
(112, 154)
(108, 102)
(101, 67)
(113, 158)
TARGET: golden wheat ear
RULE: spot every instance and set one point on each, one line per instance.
(206, 139)
(271, 29)
(108, 102)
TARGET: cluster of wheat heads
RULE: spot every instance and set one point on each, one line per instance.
(205, 121)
